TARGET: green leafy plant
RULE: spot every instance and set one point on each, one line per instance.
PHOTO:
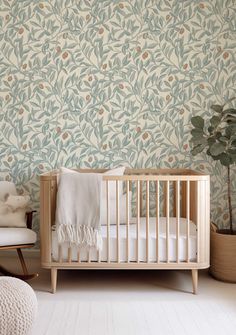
(217, 137)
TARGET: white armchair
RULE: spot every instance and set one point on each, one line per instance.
(15, 235)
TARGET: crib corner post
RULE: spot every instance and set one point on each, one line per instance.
(195, 280)
(54, 279)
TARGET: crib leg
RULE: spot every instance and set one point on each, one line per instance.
(195, 280)
(54, 279)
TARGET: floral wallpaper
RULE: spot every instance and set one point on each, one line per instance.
(101, 83)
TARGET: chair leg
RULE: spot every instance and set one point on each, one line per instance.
(22, 261)
(25, 275)
(195, 280)
(54, 279)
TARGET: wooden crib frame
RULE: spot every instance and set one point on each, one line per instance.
(191, 200)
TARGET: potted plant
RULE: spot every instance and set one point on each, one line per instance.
(217, 137)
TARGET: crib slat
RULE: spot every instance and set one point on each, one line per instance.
(164, 197)
(69, 254)
(117, 221)
(198, 220)
(187, 214)
(174, 198)
(138, 217)
(108, 222)
(157, 219)
(78, 256)
(99, 256)
(141, 198)
(183, 196)
(60, 253)
(167, 219)
(147, 221)
(177, 204)
(88, 256)
(127, 220)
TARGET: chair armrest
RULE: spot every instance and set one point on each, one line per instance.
(29, 218)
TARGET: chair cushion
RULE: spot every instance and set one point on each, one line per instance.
(16, 236)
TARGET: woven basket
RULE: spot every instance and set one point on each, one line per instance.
(223, 256)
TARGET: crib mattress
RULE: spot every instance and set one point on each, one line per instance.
(133, 245)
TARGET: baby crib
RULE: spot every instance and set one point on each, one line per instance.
(167, 224)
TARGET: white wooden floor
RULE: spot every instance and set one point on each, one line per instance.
(133, 303)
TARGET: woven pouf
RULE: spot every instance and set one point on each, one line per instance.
(18, 307)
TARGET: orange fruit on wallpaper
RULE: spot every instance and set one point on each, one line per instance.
(145, 55)
(65, 55)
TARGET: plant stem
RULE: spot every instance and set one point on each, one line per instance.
(229, 201)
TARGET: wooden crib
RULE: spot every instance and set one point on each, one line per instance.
(167, 204)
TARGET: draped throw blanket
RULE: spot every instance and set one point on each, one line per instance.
(78, 209)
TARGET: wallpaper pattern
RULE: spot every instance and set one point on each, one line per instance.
(100, 83)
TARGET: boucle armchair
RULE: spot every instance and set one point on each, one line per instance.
(16, 237)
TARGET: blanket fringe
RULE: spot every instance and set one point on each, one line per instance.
(83, 236)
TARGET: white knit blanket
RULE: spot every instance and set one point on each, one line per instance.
(78, 209)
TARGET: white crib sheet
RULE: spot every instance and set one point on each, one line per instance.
(142, 243)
